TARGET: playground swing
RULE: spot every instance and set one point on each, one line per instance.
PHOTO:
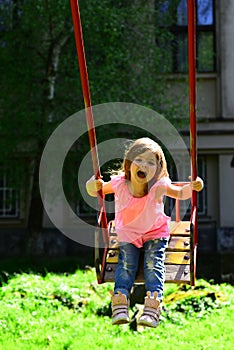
(180, 260)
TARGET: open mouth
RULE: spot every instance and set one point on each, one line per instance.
(141, 174)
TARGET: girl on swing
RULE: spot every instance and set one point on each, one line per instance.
(140, 221)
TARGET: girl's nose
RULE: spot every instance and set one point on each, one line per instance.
(144, 164)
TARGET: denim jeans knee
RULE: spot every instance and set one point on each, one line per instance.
(154, 269)
(126, 268)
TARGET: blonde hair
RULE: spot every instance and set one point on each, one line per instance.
(140, 146)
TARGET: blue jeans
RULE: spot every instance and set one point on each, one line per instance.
(154, 269)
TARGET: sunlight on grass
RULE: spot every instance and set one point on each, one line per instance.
(71, 311)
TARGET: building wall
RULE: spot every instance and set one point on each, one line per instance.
(226, 187)
(226, 56)
(212, 184)
(207, 96)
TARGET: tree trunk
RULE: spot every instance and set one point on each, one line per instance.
(36, 209)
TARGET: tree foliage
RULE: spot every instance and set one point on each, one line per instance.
(40, 81)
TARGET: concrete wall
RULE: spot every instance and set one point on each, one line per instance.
(226, 43)
(212, 185)
(226, 188)
(207, 92)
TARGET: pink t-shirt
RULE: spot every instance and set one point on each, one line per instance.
(138, 220)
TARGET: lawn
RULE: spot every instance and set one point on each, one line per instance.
(71, 311)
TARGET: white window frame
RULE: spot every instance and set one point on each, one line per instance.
(9, 200)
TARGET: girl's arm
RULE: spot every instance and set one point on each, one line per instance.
(179, 192)
(185, 191)
(93, 186)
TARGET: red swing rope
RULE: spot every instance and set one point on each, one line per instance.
(193, 131)
(88, 108)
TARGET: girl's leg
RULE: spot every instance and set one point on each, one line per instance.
(154, 270)
(126, 268)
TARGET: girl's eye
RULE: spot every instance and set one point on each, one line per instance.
(151, 163)
(138, 160)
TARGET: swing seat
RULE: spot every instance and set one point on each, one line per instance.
(180, 257)
(177, 260)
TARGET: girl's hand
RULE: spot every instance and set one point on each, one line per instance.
(197, 185)
(93, 186)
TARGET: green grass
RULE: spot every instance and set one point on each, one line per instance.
(70, 311)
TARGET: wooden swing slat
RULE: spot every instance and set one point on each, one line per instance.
(177, 258)
(172, 257)
(179, 243)
(180, 228)
(174, 273)
(112, 256)
(177, 274)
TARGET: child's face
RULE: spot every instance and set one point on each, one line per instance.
(143, 167)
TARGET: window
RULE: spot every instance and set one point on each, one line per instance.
(173, 17)
(9, 201)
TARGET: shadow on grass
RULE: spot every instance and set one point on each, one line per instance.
(43, 265)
